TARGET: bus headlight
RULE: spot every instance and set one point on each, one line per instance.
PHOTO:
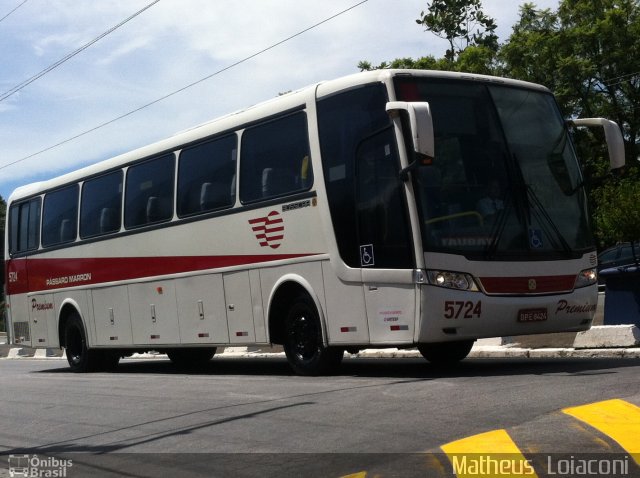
(586, 277)
(452, 280)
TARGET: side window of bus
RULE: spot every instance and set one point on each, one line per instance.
(206, 176)
(275, 159)
(382, 217)
(101, 204)
(24, 226)
(345, 120)
(149, 192)
(60, 216)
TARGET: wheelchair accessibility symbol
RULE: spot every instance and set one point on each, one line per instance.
(535, 238)
(366, 255)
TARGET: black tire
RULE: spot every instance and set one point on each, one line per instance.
(303, 343)
(81, 359)
(446, 353)
(191, 357)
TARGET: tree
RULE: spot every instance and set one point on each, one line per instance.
(424, 63)
(462, 23)
(586, 52)
(473, 44)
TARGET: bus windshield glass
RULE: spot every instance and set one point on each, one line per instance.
(505, 183)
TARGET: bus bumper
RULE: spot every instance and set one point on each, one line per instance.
(451, 315)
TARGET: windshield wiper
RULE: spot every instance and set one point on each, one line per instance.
(523, 206)
(520, 204)
(541, 212)
(498, 229)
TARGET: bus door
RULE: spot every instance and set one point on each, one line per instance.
(24, 225)
(386, 252)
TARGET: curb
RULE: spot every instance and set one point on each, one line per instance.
(604, 336)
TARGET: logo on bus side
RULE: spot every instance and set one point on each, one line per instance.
(35, 305)
(269, 230)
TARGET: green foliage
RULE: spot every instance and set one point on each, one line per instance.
(586, 53)
(477, 59)
(473, 59)
(462, 23)
(424, 63)
(473, 44)
(617, 215)
(530, 54)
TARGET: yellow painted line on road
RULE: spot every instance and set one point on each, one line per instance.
(618, 419)
(490, 454)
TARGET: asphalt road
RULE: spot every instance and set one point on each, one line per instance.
(253, 417)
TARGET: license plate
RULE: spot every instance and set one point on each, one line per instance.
(532, 315)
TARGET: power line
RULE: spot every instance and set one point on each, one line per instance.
(245, 59)
(620, 79)
(55, 65)
(2, 19)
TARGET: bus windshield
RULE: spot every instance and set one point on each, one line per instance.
(505, 182)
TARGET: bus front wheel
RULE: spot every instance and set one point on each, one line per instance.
(303, 345)
(444, 353)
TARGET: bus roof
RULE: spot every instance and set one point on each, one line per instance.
(250, 114)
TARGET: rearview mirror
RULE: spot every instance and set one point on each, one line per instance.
(421, 124)
(613, 136)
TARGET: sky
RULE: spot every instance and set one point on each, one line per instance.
(170, 45)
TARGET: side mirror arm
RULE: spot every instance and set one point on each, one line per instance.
(419, 160)
(613, 136)
(421, 133)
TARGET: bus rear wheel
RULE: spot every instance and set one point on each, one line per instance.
(81, 359)
(446, 353)
(303, 345)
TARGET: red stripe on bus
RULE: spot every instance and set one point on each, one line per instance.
(51, 274)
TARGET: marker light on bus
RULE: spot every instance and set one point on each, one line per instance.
(452, 280)
(586, 278)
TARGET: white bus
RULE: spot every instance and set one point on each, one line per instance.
(385, 209)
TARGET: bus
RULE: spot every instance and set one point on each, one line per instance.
(393, 208)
